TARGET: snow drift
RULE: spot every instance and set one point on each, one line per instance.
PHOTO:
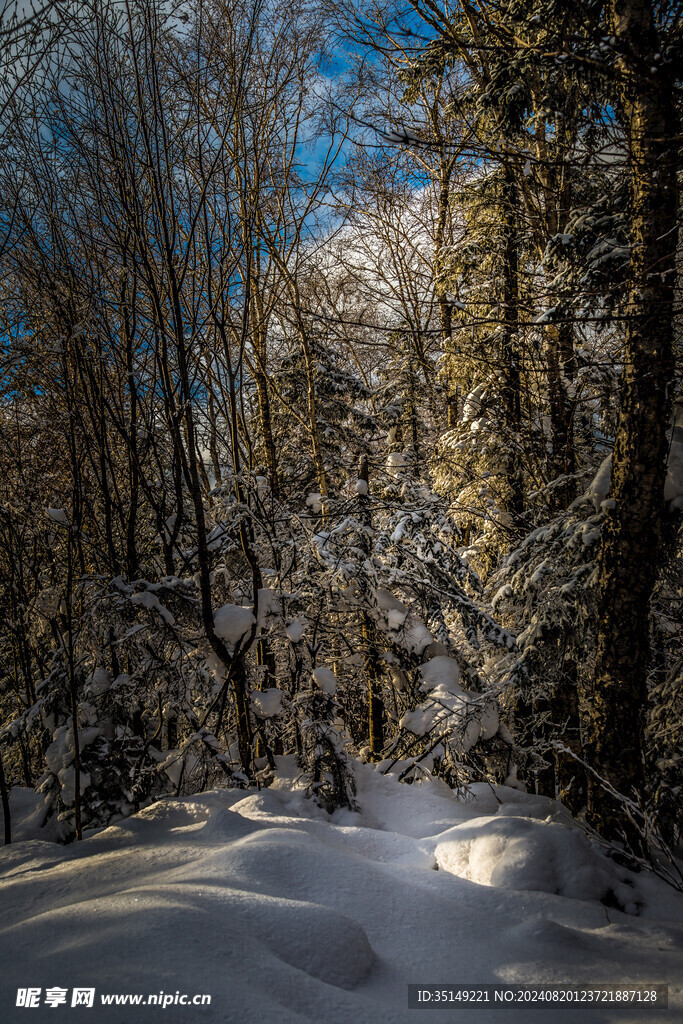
(284, 914)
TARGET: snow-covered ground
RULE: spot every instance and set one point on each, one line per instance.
(283, 914)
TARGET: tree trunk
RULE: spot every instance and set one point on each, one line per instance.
(630, 551)
(261, 380)
(314, 430)
(560, 358)
(445, 308)
(372, 671)
(4, 795)
(513, 495)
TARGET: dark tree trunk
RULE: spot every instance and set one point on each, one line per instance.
(4, 795)
(372, 671)
(513, 496)
(560, 357)
(261, 380)
(631, 545)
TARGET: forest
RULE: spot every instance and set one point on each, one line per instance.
(341, 419)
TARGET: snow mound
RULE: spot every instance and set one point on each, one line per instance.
(323, 943)
(523, 853)
(285, 913)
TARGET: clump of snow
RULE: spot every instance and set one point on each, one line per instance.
(450, 708)
(216, 537)
(401, 529)
(151, 601)
(361, 487)
(67, 780)
(325, 679)
(412, 632)
(473, 403)
(266, 703)
(434, 650)
(673, 484)
(440, 671)
(60, 751)
(315, 502)
(590, 533)
(295, 631)
(521, 853)
(386, 601)
(502, 594)
(599, 488)
(511, 780)
(232, 622)
(416, 636)
(99, 681)
(269, 604)
(396, 463)
(396, 618)
(214, 663)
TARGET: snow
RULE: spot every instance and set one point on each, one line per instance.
(416, 636)
(408, 630)
(295, 631)
(472, 405)
(60, 751)
(27, 809)
(269, 604)
(599, 488)
(67, 779)
(673, 485)
(232, 622)
(361, 487)
(152, 603)
(449, 707)
(440, 671)
(395, 618)
(396, 463)
(590, 533)
(99, 681)
(282, 913)
(266, 703)
(325, 679)
(502, 594)
(523, 854)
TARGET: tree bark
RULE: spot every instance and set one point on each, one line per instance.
(513, 496)
(372, 672)
(261, 380)
(4, 795)
(631, 544)
(560, 363)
